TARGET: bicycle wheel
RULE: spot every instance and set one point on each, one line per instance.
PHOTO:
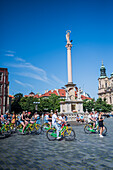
(6, 130)
(13, 128)
(37, 129)
(51, 134)
(104, 131)
(19, 126)
(88, 129)
(69, 134)
(45, 127)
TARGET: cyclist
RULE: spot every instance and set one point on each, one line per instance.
(54, 123)
(37, 118)
(91, 119)
(95, 118)
(23, 120)
(46, 117)
(5, 116)
(50, 119)
(60, 121)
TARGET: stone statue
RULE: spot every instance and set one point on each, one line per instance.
(67, 94)
(68, 97)
(79, 94)
(68, 36)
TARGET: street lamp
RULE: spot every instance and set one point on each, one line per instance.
(36, 103)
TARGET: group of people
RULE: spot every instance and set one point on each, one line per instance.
(16, 119)
(27, 117)
(79, 118)
(97, 117)
(52, 119)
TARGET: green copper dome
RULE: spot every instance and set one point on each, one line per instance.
(102, 71)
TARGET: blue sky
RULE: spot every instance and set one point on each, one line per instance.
(32, 43)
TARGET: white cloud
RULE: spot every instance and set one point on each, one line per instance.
(19, 59)
(23, 84)
(41, 74)
(31, 75)
(8, 51)
(9, 55)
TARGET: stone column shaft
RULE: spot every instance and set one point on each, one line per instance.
(69, 65)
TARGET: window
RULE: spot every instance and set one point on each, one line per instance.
(105, 84)
(0, 89)
(100, 84)
(110, 99)
(0, 101)
(1, 76)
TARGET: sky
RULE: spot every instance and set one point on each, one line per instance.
(33, 39)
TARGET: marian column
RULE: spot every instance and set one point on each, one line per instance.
(69, 64)
(70, 104)
(70, 87)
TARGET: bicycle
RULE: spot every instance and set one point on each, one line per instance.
(30, 128)
(66, 132)
(5, 129)
(88, 128)
(45, 127)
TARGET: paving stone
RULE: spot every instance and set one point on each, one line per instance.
(87, 152)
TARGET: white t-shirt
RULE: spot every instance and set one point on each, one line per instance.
(60, 117)
(46, 117)
(89, 120)
(54, 116)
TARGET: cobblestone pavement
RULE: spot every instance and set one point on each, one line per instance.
(36, 152)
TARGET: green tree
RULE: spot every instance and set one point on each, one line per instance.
(88, 104)
(101, 105)
(26, 103)
(15, 106)
(54, 102)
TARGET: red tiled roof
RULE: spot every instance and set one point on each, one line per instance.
(49, 93)
(26, 95)
(59, 92)
(11, 96)
(62, 92)
(84, 97)
(37, 96)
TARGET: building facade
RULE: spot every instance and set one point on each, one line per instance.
(4, 90)
(105, 88)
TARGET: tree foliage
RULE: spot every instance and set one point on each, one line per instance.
(99, 105)
(88, 104)
(15, 106)
(46, 104)
(53, 103)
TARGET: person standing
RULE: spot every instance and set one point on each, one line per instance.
(101, 119)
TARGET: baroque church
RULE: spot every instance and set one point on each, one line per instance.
(105, 89)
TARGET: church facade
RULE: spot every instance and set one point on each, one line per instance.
(105, 89)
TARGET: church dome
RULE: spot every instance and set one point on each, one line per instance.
(102, 71)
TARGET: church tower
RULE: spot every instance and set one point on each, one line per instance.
(105, 89)
(103, 82)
